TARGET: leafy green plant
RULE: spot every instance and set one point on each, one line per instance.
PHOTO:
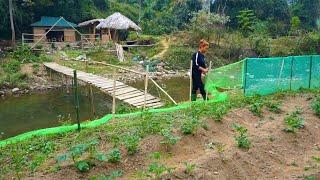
(294, 122)
(219, 111)
(132, 144)
(256, 109)
(76, 152)
(316, 106)
(82, 166)
(114, 155)
(113, 175)
(309, 178)
(316, 158)
(274, 107)
(189, 168)
(158, 169)
(189, 126)
(169, 139)
(242, 139)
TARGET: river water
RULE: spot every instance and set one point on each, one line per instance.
(49, 109)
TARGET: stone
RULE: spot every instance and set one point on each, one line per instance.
(2, 93)
(14, 90)
(215, 173)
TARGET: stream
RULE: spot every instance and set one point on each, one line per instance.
(23, 113)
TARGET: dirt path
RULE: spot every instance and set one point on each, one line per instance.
(166, 44)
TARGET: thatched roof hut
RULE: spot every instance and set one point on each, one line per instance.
(118, 21)
(90, 22)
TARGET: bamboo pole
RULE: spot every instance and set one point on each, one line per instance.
(190, 76)
(92, 104)
(210, 66)
(114, 94)
(146, 87)
(155, 83)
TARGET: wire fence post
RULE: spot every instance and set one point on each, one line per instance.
(114, 94)
(146, 87)
(76, 97)
(310, 71)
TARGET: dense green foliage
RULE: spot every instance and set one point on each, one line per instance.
(165, 16)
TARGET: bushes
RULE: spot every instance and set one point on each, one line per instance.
(235, 43)
(283, 46)
(308, 44)
(12, 67)
(15, 80)
(260, 44)
(179, 57)
(24, 55)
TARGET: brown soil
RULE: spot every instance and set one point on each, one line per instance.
(274, 154)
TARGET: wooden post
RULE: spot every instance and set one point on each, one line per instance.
(190, 80)
(50, 75)
(92, 104)
(114, 94)
(81, 41)
(86, 61)
(146, 87)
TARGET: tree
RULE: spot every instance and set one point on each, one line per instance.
(308, 12)
(13, 33)
(246, 20)
(204, 23)
(295, 24)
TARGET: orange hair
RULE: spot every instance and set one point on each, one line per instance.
(203, 43)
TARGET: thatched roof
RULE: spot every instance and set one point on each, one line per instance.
(118, 21)
(89, 22)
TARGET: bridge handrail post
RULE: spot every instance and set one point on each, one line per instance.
(114, 93)
(146, 87)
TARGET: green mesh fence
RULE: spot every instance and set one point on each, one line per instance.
(225, 78)
(255, 75)
(315, 72)
(269, 75)
(265, 75)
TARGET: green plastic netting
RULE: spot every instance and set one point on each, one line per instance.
(269, 75)
(254, 75)
(225, 78)
(99, 122)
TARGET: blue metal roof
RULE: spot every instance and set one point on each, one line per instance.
(50, 21)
